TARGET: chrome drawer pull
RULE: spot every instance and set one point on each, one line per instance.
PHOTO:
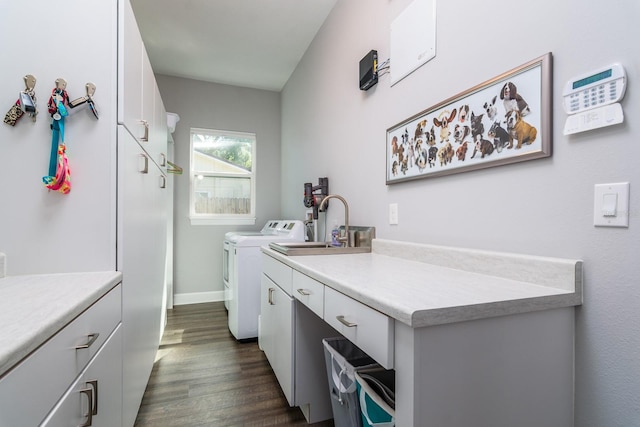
(143, 163)
(88, 393)
(345, 322)
(270, 296)
(304, 292)
(92, 339)
(94, 384)
(145, 137)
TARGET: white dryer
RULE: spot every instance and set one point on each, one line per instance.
(242, 267)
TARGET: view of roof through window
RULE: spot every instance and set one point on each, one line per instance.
(229, 147)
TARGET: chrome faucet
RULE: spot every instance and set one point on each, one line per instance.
(347, 238)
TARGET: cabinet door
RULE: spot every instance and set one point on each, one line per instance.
(130, 54)
(140, 107)
(141, 259)
(276, 333)
(96, 394)
(148, 91)
(147, 132)
(158, 131)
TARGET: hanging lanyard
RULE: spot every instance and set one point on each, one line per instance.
(58, 178)
(55, 137)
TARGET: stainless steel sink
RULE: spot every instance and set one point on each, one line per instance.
(315, 248)
(360, 239)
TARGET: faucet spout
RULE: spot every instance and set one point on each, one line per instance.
(347, 238)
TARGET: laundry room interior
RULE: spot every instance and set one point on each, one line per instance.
(210, 192)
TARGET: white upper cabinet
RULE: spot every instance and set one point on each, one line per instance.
(130, 69)
(140, 107)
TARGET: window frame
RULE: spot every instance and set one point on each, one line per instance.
(221, 219)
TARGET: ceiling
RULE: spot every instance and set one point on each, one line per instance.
(248, 43)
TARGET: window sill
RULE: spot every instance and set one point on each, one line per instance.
(222, 220)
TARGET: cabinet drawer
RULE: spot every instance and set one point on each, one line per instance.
(367, 328)
(278, 272)
(32, 388)
(100, 384)
(309, 292)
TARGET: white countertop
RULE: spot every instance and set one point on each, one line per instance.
(34, 307)
(425, 285)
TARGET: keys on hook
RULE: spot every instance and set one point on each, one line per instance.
(28, 97)
(88, 99)
(26, 103)
(59, 98)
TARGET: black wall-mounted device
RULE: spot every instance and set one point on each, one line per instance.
(369, 70)
(314, 195)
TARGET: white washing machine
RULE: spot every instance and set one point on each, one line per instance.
(242, 267)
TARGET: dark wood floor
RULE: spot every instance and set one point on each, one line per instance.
(204, 377)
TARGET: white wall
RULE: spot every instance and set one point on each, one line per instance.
(198, 248)
(542, 207)
(44, 231)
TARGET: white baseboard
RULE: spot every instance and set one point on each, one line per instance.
(198, 297)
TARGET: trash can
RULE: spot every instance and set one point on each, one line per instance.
(376, 396)
(342, 360)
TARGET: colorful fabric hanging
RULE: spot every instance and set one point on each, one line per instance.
(61, 181)
(59, 178)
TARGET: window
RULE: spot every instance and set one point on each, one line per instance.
(222, 177)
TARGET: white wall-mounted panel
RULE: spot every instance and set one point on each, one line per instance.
(413, 39)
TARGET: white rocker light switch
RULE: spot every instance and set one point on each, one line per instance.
(611, 205)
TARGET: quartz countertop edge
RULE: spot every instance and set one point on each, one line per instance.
(33, 308)
(410, 289)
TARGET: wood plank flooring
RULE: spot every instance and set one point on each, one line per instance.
(204, 377)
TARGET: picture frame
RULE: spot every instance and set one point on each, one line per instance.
(504, 120)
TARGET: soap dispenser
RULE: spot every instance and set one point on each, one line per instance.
(335, 234)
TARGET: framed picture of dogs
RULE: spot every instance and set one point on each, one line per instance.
(504, 120)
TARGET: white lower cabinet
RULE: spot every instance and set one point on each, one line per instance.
(95, 398)
(141, 258)
(291, 337)
(85, 354)
(276, 333)
(508, 370)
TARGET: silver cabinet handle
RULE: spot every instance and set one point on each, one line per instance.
(163, 181)
(345, 322)
(163, 159)
(270, 296)
(304, 292)
(145, 137)
(88, 392)
(143, 166)
(94, 385)
(92, 339)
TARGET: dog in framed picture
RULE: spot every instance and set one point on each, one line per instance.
(519, 130)
(512, 100)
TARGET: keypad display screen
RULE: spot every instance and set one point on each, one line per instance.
(592, 79)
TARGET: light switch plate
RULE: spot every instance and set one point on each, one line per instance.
(611, 205)
(393, 213)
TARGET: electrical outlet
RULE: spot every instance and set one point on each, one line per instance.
(393, 213)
